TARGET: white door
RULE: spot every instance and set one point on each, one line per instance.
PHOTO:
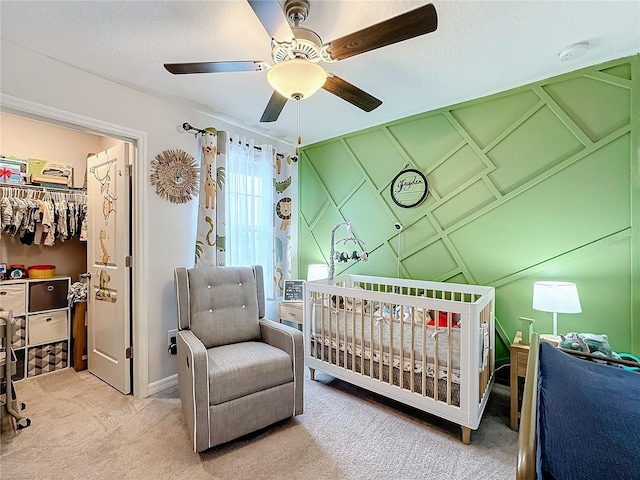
(108, 248)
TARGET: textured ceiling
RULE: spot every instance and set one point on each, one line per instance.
(479, 48)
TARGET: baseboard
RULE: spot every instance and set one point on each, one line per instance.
(500, 389)
(163, 384)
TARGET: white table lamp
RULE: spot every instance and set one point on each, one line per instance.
(556, 297)
(317, 271)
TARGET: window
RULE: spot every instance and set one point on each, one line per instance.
(249, 208)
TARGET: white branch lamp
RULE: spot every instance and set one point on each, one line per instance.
(317, 271)
(556, 297)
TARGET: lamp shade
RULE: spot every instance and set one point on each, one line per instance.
(296, 78)
(317, 271)
(556, 297)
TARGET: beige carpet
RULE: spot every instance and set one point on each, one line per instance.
(82, 428)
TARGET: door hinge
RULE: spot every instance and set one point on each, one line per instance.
(128, 170)
(128, 353)
(128, 261)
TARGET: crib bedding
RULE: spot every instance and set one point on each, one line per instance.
(442, 395)
(396, 331)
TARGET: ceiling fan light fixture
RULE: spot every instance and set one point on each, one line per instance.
(297, 78)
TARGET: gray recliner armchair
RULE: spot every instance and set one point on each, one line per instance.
(237, 372)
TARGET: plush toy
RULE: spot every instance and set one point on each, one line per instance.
(442, 320)
(589, 343)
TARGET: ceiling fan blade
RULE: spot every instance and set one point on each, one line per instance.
(274, 107)
(351, 93)
(397, 29)
(272, 19)
(215, 67)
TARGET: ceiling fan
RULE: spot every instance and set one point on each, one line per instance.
(296, 52)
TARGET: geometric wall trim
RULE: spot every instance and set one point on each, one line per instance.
(541, 182)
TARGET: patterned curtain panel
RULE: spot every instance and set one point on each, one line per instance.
(284, 236)
(210, 239)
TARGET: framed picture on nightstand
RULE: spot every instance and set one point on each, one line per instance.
(292, 291)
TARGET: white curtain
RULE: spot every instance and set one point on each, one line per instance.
(249, 207)
(210, 239)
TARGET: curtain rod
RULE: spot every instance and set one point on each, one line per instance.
(188, 127)
(42, 188)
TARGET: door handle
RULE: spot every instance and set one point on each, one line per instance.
(85, 275)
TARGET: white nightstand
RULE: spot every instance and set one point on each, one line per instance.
(291, 312)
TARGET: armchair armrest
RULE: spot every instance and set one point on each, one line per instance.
(291, 341)
(193, 385)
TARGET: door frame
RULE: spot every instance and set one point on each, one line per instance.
(139, 234)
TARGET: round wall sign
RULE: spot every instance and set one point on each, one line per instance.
(409, 188)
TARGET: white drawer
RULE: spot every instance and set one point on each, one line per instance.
(12, 297)
(47, 327)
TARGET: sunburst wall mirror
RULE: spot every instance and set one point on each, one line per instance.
(175, 175)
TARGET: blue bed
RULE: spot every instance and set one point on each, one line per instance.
(580, 419)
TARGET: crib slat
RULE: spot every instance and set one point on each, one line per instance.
(436, 367)
(401, 346)
(449, 370)
(424, 357)
(353, 335)
(362, 339)
(344, 332)
(330, 330)
(381, 350)
(392, 315)
(322, 327)
(413, 354)
(371, 340)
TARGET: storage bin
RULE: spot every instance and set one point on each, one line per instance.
(19, 332)
(47, 327)
(42, 271)
(48, 295)
(47, 358)
(12, 297)
(19, 370)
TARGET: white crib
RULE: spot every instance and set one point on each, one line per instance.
(426, 344)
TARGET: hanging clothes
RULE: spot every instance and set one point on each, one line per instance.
(38, 216)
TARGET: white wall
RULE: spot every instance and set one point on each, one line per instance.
(170, 227)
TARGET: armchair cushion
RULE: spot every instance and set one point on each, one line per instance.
(224, 305)
(240, 369)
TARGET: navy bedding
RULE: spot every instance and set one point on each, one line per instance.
(588, 419)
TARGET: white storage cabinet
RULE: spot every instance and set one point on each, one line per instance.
(42, 313)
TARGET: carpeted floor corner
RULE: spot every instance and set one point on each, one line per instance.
(82, 428)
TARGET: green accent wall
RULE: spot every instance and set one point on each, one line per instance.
(541, 182)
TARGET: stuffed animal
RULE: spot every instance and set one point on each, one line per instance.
(589, 343)
(442, 320)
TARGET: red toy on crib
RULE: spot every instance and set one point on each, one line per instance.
(442, 320)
